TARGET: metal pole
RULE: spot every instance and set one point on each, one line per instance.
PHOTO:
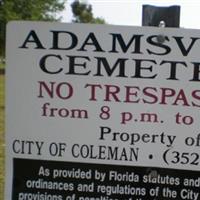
(153, 15)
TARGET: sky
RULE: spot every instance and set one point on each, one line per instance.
(129, 12)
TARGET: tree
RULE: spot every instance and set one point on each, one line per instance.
(82, 13)
(44, 10)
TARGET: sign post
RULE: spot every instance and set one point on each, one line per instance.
(153, 15)
(97, 112)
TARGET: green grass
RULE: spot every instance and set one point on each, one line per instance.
(2, 129)
(2, 65)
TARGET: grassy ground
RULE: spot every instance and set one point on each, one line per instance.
(2, 114)
(2, 66)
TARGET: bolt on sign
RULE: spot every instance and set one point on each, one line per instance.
(100, 112)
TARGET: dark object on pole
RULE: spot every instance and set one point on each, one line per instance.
(153, 15)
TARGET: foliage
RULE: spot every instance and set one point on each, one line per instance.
(30, 10)
(27, 10)
(82, 13)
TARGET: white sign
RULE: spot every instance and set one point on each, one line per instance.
(90, 106)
